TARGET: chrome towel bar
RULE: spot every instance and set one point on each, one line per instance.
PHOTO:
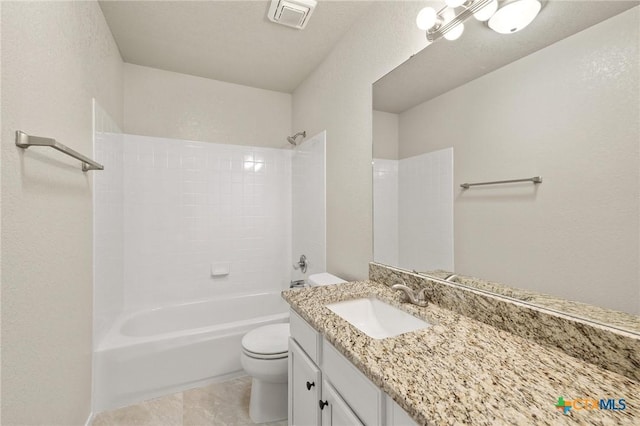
(535, 179)
(24, 141)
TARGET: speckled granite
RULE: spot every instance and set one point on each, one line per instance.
(462, 371)
(609, 348)
(608, 317)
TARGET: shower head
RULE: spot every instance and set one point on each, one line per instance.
(292, 139)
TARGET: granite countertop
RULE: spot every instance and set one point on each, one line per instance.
(608, 317)
(464, 371)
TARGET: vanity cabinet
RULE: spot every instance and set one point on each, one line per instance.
(336, 412)
(305, 385)
(326, 389)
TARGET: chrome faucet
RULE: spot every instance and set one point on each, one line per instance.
(302, 264)
(419, 299)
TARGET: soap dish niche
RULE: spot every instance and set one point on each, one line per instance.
(220, 269)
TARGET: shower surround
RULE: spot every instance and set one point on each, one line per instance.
(413, 211)
(185, 207)
(167, 214)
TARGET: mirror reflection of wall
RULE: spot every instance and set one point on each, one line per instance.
(413, 202)
(569, 112)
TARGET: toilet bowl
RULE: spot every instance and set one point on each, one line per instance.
(264, 358)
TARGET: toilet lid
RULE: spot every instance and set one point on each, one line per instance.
(267, 340)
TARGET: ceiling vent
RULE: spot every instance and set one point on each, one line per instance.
(292, 13)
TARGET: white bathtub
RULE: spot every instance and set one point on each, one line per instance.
(165, 350)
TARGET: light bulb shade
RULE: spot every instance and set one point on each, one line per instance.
(514, 16)
(426, 18)
(454, 33)
(454, 3)
(487, 11)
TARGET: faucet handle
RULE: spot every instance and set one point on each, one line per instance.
(301, 264)
(422, 294)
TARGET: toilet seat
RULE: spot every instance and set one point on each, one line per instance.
(267, 342)
(265, 356)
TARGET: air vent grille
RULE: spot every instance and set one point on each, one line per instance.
(292, 13)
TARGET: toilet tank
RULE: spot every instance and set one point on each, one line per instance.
(323, 278)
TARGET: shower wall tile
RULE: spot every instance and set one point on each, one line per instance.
(108, 294)
(425, 213)
(413, 211)
(385, 211)
(190, 204)
(309, 201)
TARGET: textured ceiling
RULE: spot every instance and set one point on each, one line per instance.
(230, 41)
(445, 65)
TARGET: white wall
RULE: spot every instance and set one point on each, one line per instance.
(172, 105)
(337, 97)
(386, 135)
(55, 58)
(570, 113)
(188, 205)
(309, 205)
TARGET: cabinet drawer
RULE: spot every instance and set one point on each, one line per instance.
(364, 398)
(305, 336)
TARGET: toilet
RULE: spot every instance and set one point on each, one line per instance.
(265, 358)
(323, 278)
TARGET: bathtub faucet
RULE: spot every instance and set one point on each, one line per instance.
(301, 264)
(296, 284)
(419, 299)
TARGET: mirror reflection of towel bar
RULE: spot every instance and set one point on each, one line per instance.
(535, 179)
(24, 141)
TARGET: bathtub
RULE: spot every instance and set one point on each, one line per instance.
(165, 350)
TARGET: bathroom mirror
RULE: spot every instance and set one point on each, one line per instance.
(558, 100)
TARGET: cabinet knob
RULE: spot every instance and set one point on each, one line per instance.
(323, 404)
(310, 385)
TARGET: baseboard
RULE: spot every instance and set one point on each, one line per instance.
(89, 419)
(159, 393)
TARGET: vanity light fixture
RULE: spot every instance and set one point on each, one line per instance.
(514, 15)
(454, 3)
(486, 12)
(448, 21)
(455, 32)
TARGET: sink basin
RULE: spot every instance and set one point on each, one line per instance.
(376, 318)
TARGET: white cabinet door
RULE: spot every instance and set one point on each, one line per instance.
(364, 398)
(396, 416)
(304, 388)
(336, 412)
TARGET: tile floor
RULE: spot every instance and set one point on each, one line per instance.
(219, 404)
